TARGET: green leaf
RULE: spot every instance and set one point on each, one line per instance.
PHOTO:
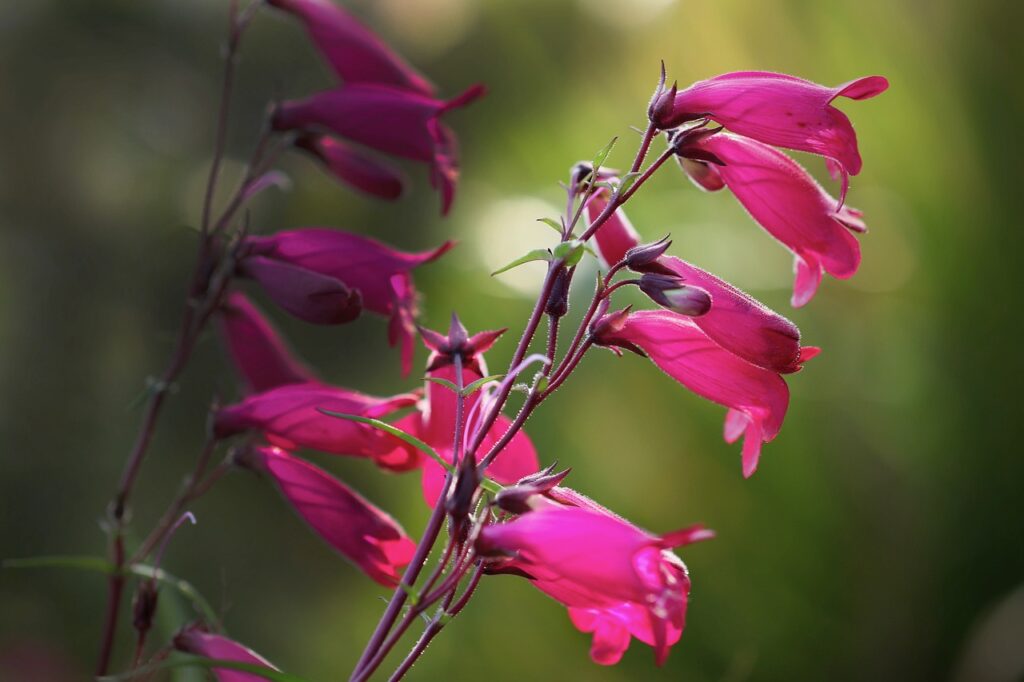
(411, 592)
(491, 486)
(627, 181)
(471, 388)
(571, 251)
(553, 224)
(599, 159)
(396, 432)
(101, 565)
(182, 660)
(536, 254)
(444, 382)
(541, 383)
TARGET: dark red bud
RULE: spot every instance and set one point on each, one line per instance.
(662, 104)
(671, 293)
(144, 606)
(644, 258)
(517, 498)
(558, 300)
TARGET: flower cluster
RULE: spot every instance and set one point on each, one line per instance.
(480, 471)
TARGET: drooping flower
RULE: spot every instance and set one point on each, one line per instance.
(434, 422)
(388, 119)
(259, 353)
(757, 398)
(354, 52)
(379, 274)
(305, 294)
(789, 204)
(292, 416)
(616, 579)
(779, 110)
(353, 167)
(736, 321)
(357, 529)
(194, 639)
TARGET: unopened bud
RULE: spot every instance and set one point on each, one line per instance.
(670, 292)
(558, 299)
(144, 606)
(662, 104)
(644, 258)
(460, 500)
(519, 498)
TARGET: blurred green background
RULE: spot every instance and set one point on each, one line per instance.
(883, 536)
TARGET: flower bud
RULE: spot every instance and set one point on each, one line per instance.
(660, 110)
(558, 299)
(460, 501)
(519, 498)
(670, 292)
(644, 258)
(144, 606)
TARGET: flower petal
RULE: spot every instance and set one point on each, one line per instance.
(194, 640)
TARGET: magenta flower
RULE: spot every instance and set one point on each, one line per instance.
(616, 579)
(616, 235)
(362, 533)
(260, 354)
(307, 295)
(290, 416)
(735, 321)
(787, 202)
(779, 110)
(194, 640)
(353, 167)
(434, 422)
(379, 274)
(391, 120)
(354, 52)
(757, 398)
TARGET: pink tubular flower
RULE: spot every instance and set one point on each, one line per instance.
(361, 532)
(194, 640)
(290, 416)
(616, 235)
(757, 398)
(354, 52)
(391, 120)
(735, 321)
(260, 354)
(352, 167)
(616, 579)
(381, 275)
(779, 110)
(307, 295)
(434, 422)
(787, 202)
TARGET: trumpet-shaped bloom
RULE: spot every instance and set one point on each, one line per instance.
(361, 532)
(381, 275)
(616, 579)
(779, 110)
(307, 295)
(757, 398)
(791, 206)
(194, 640)
(741, 324)
(260, 354)
(354, 52)
(736, 321)
(616, 235)
(434, 422)
(391, 120)
(353, 167)
(291, 416)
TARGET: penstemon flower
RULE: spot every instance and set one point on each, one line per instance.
(616, 579)
(196, 640)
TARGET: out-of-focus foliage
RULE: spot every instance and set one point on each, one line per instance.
(884, 527)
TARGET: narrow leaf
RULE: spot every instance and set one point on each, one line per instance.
(474, 386)
(396, 432)
(444, 382)
(553, 224)
(536, 254)
(627, 181)
(599, 159)
(571, 252)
